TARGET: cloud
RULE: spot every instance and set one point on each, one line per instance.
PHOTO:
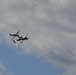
(3, 70)
(51, 25)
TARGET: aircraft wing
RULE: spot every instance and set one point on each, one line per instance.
(19, 43)
(13, 37)
(26, 34)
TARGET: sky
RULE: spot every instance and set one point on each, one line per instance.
(51, 48)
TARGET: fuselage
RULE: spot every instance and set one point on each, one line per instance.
(25, 38)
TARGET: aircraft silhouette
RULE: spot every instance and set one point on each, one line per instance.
(19, 39)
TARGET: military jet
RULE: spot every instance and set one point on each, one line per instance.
(14, 35)
(20, 39)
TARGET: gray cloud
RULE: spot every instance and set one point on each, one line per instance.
(51, 25)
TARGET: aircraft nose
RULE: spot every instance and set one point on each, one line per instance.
(27, 38)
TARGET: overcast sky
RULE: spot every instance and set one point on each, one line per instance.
(52, 30)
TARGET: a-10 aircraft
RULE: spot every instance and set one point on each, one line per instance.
(19, 39)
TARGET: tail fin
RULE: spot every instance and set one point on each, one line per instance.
(10, 34)
(14, 41)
